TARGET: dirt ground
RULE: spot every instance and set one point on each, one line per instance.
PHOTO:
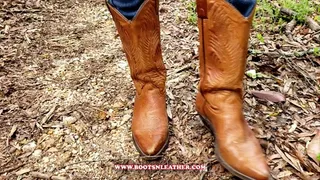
(66, 96)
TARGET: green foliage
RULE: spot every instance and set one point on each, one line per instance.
(266, 9)
(303, 8)
(316, 51)
(254, 74)
(260, 37)
(192, 15)
(267, 13)
(317, 18)
(266, 16)
(192, 18)
(318, 157)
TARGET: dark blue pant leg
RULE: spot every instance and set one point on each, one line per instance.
(129, 8)
(245, 7)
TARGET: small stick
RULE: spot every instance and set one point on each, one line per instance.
(46, 176)
(12, 168)
(48, 115)
(311, 23)
(40, 175)
(13, 130)
(288, 12)
(289, 28)
(58, 178)
(21, 11)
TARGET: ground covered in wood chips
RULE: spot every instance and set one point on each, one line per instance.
(66, 96)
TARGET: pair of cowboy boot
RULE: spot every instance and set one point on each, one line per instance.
(224, 34)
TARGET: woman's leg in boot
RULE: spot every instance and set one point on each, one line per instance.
(140, 39)
(224, 35)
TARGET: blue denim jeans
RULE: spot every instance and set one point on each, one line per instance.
(129, 8)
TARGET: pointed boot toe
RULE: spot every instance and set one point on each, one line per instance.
(260, 171)
(254, 169)
(150, 144)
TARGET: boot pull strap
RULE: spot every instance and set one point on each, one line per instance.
(202, 9)
(157, 7)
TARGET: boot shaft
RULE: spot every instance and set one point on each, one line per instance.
(141, 43)
(224, 34)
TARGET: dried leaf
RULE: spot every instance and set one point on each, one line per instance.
(58, 178)
(13, 130)
(295, 161)
(269, 95)
(102, 115)
(23, 171)
(293, 127)
(126, 117)
(284, 174)
(313, 24)
(48, 115)
(40, 175)
(123, 64)
(284, 157)
(30, 147)
(67, 120)
(169, 113)
(313, 148)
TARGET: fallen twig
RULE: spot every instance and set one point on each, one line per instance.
(21, 11)
(287, 12)
(284, 157)
(12, 168)
(85, 161)
(305, 74)
(46, 176)
(48, 115)
(183, 68)
(302, 72)
(311, 23)
(92, 161)
(58, 178)
(289, 28)
(13, 130)
(40, 175)
(280, 53)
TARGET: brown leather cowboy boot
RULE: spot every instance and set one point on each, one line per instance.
(224, 35)
(141, 42)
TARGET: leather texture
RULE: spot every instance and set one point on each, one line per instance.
(224, 34)
(141, 43)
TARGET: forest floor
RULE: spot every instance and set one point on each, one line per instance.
(66, 95)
